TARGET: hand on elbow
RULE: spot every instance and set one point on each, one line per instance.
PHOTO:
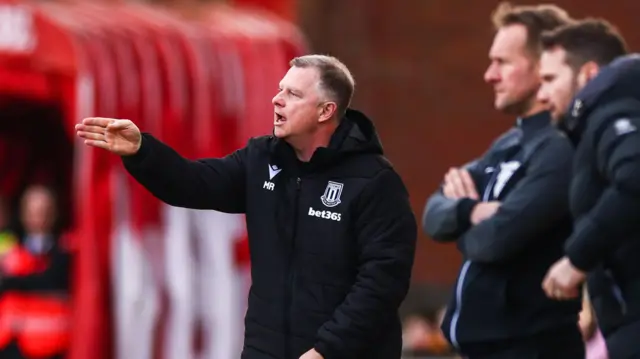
(483, 211)
(459, 184)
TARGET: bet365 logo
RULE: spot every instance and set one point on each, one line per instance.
(325, 214)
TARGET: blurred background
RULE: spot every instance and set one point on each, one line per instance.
(129, 278)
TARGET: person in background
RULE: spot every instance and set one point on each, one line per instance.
(8, 237)
(422, 334)
(508, 212)
(596, 347)
(34, 284)
(421, 314)
(592, 89)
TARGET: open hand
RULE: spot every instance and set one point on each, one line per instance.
(121, 137)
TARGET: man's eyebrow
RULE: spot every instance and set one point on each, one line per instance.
(291, 89)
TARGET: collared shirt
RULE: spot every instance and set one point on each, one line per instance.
(38, 243)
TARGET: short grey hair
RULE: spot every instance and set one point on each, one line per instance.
(335, 78)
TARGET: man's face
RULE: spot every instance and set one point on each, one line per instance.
(297, 107)
(512, 72)
(38, 212)
(559, 82)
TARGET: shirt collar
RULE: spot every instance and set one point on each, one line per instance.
(531, 124)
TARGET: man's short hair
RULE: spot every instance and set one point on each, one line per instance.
(588, 40)
(535, 18)
(335, 78)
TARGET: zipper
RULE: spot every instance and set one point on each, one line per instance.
(617, 292)
(455, 318)
(289, 285)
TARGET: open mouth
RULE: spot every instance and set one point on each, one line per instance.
(279, 119)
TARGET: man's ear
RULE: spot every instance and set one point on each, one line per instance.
(327, 111)
(588, 72)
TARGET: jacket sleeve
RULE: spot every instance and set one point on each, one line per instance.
(534, 206)
(614, 218)
(445, 219)
(55, 277)
(386, 233)
(217, 183)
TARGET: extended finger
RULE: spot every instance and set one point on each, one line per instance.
(447, 177)
(94, 129)
(118, 124)
(97, 121)
(91, 135)
(456, 182)
(98, 144)
(447, 190)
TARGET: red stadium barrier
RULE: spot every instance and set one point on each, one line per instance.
(203, 83)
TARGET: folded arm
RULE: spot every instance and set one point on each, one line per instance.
(445, 219)
(534, 206)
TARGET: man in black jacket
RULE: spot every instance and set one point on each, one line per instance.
(508, 212)
(602, 120)
(332, 235)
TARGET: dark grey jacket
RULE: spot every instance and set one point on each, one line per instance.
(498, 294)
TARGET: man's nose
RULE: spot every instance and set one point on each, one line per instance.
(277, 100)
(542, 95)
(491, 76)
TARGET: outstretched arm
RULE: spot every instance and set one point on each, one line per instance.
(216, 184)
